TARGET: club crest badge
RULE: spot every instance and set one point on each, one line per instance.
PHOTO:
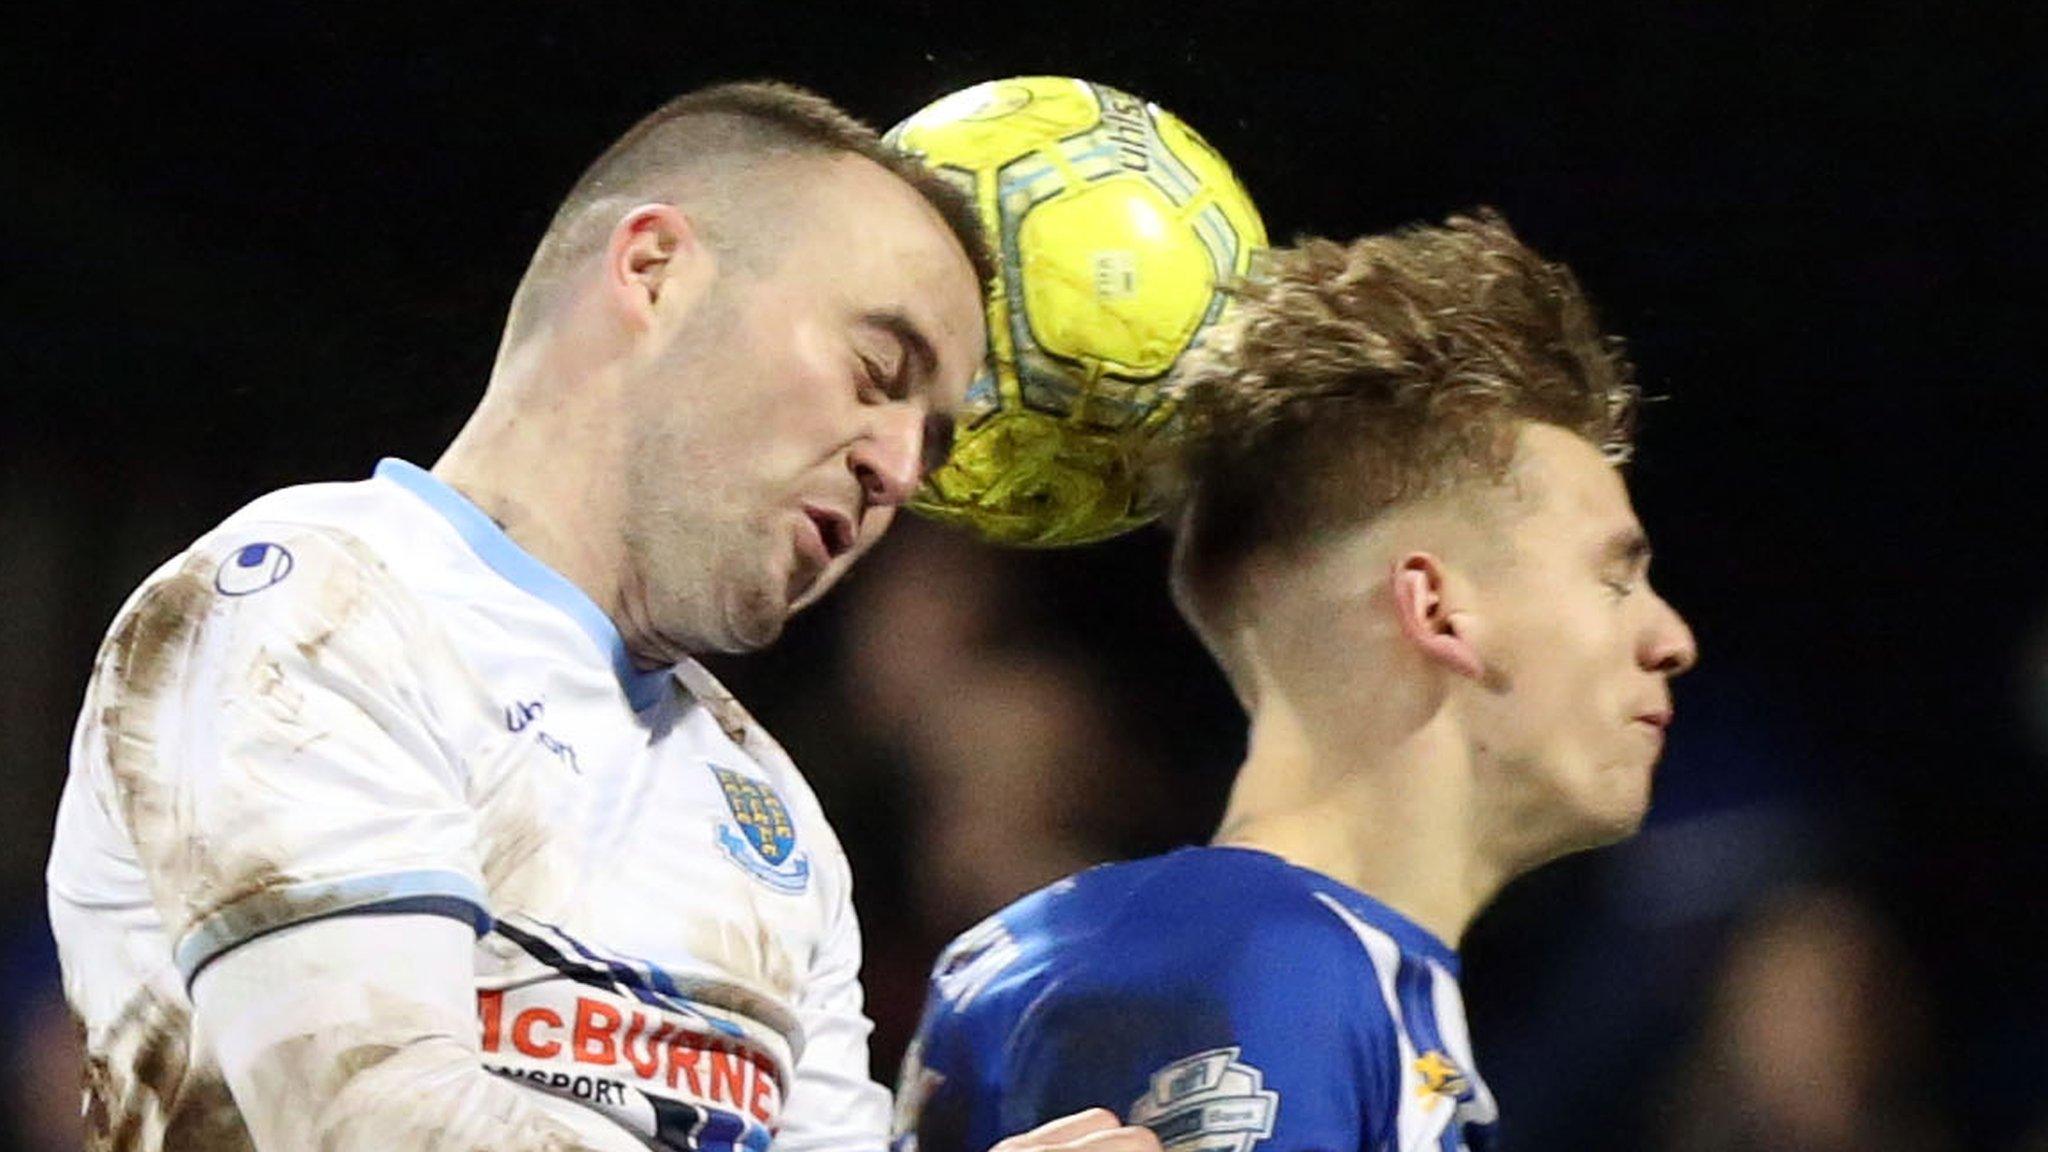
(760, 837)
(1208, 1102)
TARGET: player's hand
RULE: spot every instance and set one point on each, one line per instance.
(1096, 1130)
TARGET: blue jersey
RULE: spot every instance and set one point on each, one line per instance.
(1223, 997)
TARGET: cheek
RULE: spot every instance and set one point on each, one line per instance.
(814, 397)
(794, 418)
(813, 363)
(1558, 668)
(772, 363)
(873, 524)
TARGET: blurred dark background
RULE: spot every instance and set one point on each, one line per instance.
(246, 246)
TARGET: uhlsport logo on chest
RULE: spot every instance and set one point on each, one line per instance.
(760, 837)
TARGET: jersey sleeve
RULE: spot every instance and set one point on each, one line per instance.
(261, 723)
(947, 1097)
(834, 1104)
(359, 1033)
(1217, 1037)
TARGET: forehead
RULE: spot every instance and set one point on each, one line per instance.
(877, 245)
(1572, 488)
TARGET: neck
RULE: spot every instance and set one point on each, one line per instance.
(1366, 797)
(530, 458)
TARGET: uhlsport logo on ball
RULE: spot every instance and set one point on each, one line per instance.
(1115, 227)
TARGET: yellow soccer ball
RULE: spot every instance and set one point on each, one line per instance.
(1114, 225)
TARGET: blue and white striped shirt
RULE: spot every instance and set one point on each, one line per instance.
(1221, 996)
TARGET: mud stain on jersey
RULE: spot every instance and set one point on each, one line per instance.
(143, 1092)
(138, 669)
(262, 900)
(518, 866)
(201, 863)
(742, 956)
(719, 703)
(280, 696)
(749, 946)
(355, 1090)
(760, 963)
(513, 840)
(521, 836)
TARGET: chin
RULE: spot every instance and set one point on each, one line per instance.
(815, 592)
(751, 623)
(765, 629)
(1612, 828)
(1621, 816)
(1607, 817)
(1590, 833)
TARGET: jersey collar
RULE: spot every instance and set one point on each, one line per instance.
(521, 569)
(1412, 937)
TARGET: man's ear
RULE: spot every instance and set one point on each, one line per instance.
(654, 263)
(1439, 628)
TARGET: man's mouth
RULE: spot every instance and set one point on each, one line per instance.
(835, 530)
(1659, 719)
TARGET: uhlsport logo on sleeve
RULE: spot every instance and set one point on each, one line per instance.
(760, 837)
(1208, 1102)
(252, 568)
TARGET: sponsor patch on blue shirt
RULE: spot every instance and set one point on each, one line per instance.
(1212, 1101)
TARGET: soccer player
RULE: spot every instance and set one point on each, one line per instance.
(1403, 535)
(400, 816)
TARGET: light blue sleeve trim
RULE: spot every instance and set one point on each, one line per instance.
(522, 570)
(429, 891)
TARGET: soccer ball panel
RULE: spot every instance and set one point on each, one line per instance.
(1241, 225)
(1112, 275)
(983, 127)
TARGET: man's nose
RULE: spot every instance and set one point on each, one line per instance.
(1669, 646)
(889, 461)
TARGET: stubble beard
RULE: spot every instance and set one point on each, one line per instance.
(696, 580)
(709, 590)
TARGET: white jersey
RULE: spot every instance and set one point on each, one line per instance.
(352, 699)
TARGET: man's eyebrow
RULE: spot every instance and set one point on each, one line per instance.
(905, 330)
(1629, 546)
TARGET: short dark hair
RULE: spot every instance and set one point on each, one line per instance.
(1351, 378)
(719, 136)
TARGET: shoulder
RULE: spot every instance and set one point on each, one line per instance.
(1214, 912)
(1208, 977)
(1208, 933)
(374, 527)
(252, 584)
(282, 602)
(289, 538)
(310, 557)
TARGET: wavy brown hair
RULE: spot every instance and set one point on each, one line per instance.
(1352, 378)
